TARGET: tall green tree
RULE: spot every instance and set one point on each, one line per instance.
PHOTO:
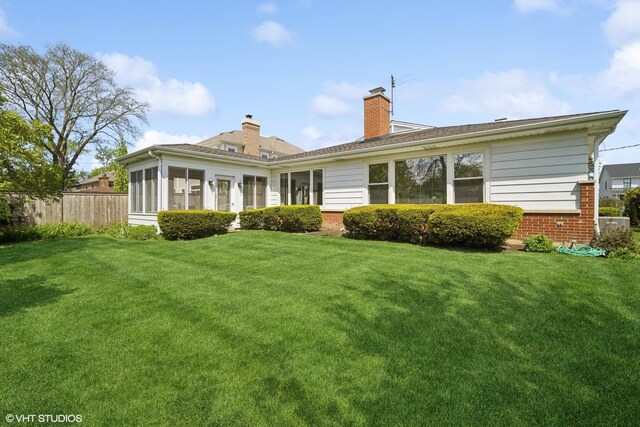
(72, 92)
(25, 167)
(107, 156)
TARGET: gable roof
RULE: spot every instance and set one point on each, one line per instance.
(96, 179)
(623, 170)
(425, 136)
(267, 143)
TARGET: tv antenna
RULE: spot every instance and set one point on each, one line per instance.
(406, 78)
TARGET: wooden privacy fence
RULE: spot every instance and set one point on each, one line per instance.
(87, 208)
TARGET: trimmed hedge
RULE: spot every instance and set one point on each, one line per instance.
(396, 223)
(478, 225)
(193, 224)
(292, 219)
(609, 211)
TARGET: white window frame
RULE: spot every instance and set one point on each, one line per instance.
(486, 193)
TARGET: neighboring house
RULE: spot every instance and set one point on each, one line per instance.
(98, 184)
(539, 164)
(615, 180)
(237, 141)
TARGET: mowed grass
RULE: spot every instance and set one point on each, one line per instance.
(259, 328)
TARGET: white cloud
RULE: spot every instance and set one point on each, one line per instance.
(623, 25)
(6, 32)
(623, 75)
(346, 90)
(267, 8)
(536, 5)
(338, 99)
(273, 33)
(312, 137)
(177, 97)
(330, 106)
(155, 137)
(513, 93)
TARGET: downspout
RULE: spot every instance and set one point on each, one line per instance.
(160, 189)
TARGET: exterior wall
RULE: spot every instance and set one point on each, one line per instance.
(345, 185)
(564, 227)
(541, 175)
(618, 183)
(605, 184)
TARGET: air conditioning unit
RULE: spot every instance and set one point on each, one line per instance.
(614, 222)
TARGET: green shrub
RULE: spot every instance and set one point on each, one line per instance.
(252, 219)
(194, 224)
(476, 225)
(61, 230)
(609, 211)
(612, 239)
(143, 232)
(609, 202)
(632, 205)
(400, 223)
(5, 211)
(624, 254)
(292, 219)
(538, 243)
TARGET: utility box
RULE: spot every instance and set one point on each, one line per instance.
(614, 222)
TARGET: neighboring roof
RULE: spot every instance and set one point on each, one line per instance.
(432, 135)
(624, 170)
(267, 143)
(95, 179)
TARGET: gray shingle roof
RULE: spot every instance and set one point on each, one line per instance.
(387, 140)
(624, 170)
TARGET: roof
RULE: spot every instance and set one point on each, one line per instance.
(267, 143)
(96, 190)
(623, 170)
(423, 136)
(95, 179)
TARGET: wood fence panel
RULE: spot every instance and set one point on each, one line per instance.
(94, 209)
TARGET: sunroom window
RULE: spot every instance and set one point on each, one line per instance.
(135, 182)
(378, 183)
(302, 188)
(185, 188)
(468, 178)
(421, 181)
(254, 191)
(151, 190)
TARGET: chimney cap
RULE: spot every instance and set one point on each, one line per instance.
(249, 116)
(377, 90)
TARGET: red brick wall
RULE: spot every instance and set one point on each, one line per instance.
(575, 226)
(376, 116)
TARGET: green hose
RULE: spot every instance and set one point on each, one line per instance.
(580, 250)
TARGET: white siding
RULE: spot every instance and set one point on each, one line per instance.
(344, 185)
(541, 175)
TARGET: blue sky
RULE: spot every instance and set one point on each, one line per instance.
(301, 67)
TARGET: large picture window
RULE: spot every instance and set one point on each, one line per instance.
(135, 182)
(378, 183)
(185, 188)
(468, 178)
(254, 189)
(421, 181)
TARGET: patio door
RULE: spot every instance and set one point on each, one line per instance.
(223, 194)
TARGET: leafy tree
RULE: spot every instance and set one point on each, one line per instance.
(24, 165)
(632, 205)
(72, 92)
(107, 156)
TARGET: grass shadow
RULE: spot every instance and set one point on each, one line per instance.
(17, 295)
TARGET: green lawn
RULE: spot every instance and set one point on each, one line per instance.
(258, 328)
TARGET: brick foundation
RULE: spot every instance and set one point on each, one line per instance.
(575, 226)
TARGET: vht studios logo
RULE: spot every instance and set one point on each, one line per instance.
(43, 418)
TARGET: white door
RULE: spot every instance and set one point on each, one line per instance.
(223, 194)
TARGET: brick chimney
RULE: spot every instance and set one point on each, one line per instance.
(251, 136)
(103, 181)
(376, 113)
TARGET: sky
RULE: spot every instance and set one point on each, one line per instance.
(301, 67)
